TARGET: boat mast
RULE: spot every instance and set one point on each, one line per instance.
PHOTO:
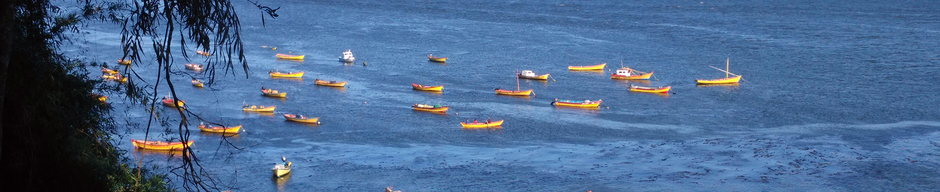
(727, 67)
(517, 83)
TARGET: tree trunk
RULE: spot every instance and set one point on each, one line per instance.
(6, 44)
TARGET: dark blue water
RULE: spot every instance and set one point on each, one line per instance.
(835, 96)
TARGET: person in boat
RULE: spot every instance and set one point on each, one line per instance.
(489, 120)
(263, 89)
(284, 159)
(474, 121)
(300, 116)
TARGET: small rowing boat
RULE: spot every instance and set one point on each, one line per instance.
(437, 59)
(194, 67)
(254, 108)
(115, 77)
(629, 74)
(329, 83)
(289, 57)
(347, 57)
(642, 89)
(169, 102)
(528, 74)
(197, 83)
(124, 61)
(278, 74)
(281, 169)
(513, 93)
(302, 119)
(107, 71)
(430, 108)
(218, 129)
(273, 93)
(475, 125)
(587, 68)
(577, 103)
(203, 53)
(160, 145)
(727, 80)
(427, 88)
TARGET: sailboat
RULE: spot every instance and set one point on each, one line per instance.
(517, 92)
(727, 80)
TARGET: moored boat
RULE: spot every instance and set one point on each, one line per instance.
(727, 80)
(476, 125)
(124, 61)
(302, 119)
(281, 169)
(218, 129)
(329, 83)
(627, 73)
(289, 57)
(169, 102)
(194, 67)
(115, 77)
(528, 74)
(254, 108)
(107, 71)
(430, 108)
(587, 68)
(577, 103)
(197, 83)
(513, 93)
(642, 89)
(273, 93)
(427, 88)
(278, 74)
(160, 145)
(203, 53)
(437, 59)
(347, 57)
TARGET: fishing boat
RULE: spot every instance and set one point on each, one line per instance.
(727, 80)
(194, 67)
(273, 93)
(427, 88)
(329, 83)
(169, 102)
(254, 108)
(302, 119)
(124, 61)
(642, 89)
(347, 56)
(203, 53)
(437, 59)
(430, 108)
(197, 83)
(107, 71)
(278, 74)
(587, 68)
(577, 103)
(517, 92)
(528, 74)
(289, 57)
(102, 98)
(160, 145)
(627, 73)
(218, 129)
(475, 125)
(281, 169)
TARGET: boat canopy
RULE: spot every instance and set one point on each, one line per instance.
(347, 54)
(624, 71)
(527, 73)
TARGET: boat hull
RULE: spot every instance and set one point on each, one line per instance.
(287, 75)
(290, 57)
(438, 59)
(328, 84)
(216, 129)
(537, 77)
(427, 88)
(262, 109)
(587, 68)
(580, 104)
(513, 93)
(650, 89)
(291, 117)
(430, 109)
(632, 77)
(728, 80)
(350, 60)
(493, 124)
(164, 146)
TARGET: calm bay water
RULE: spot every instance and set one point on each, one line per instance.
(836, 96)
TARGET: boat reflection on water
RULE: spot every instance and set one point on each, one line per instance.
(341, 89)
(226, 135)
(289, 79)
(281, 181)
(167, 153)
(631, 82)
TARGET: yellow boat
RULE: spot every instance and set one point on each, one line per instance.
(527, 74)
(281, 169)
(102, 98)
(430, 108)
(587, 68)
(494, 124)
(107, 71)
(197, 83)
(302, 119)
(286, 75)
(273, 93)
(124, 62)
(169, 102)
(629, 74)
(329, 83)
(159, 145)
(513, 93)
(291, 57)
(253, 108)
(427, 88)
(577, 103)
(641, 89)
(437, 59)
(727, 80)
(203, 53)
(217, 129)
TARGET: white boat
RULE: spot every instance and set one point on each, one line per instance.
(347, 57)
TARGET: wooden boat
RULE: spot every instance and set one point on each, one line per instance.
(480, 125)
(577, 103)
(102, 98)
(203, 53)
(641, 89)
(107, 71)
(160, 145)
(197, 83)
(629, 74)
(124, 62)
(437, 59)
(329, 83)
(587, 68)
(727, 80)
(430, 108)
(302, 119)
(273, 93)
(115, 77)
(254, 108)
(169, 102)
(278, 74)
(528, 74)
(427, 88)
(217, 129)
(281, 169)
(513, 93)
(194, 67)
(347, 57)
(290, 57)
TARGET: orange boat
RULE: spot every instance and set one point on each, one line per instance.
(528, 74)
(278, 74)
(329, 83)
(727, 80)
(107, 71)
(203, 53)
(217, 129)
(302, 119)
(169, 102)
(475, 125)
(437, 59)
(194, 67)
(577, 103)
(587, 68)
(290, 57)
(427, 88)
(629, 74)
(160, 145)
(641, 89)
(430, 108)
(273, 93)
(124, 62)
